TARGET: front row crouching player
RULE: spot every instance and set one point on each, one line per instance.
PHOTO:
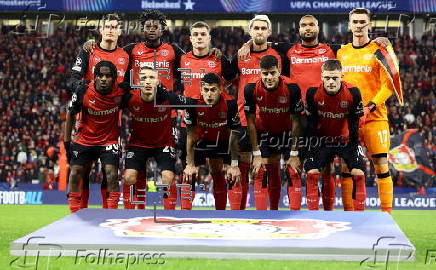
(97, 133)
(333, 110)
(211, 134)
(151, 134)
(273, 109)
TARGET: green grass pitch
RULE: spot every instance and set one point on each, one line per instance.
(19, 220)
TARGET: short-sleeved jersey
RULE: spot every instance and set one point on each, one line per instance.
(213, 123)
(85, 62)
(151, 125)
(334, 117)
(165, 57)
(361, 68)
(249, 72)
(98, 123)
(273, 108)
(193, 68)
(305, 62)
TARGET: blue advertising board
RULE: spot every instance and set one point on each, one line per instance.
(404, 198)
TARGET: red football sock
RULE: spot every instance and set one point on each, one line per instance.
(245, 168)
(140, 187)
(260, 196)
(170, 199)
(294, 190)
(219, 190)
(274, 185)
(360, 192)
(113, 199)
(312, 192)
(328, 192)
(187, 195)
(74, 201)
(126, 197)
(235, 197)
(103, 191)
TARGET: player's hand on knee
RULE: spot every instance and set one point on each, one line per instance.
(294, 163)
(89, 46)
(233, 175)
(189, 172)
(257, 164)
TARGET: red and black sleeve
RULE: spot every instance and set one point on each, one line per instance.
(249, 103)
(78, 71)
(296, 104)
(232, 115)
(311, 112)
(356, 111)
(229, 71)
(128, 49)
(190, 118)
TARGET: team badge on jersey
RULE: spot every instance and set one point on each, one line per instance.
(297, 51)
(136, 108)
(321, 51)
(97, 59)
(282, 99)
(344, 104)
(259, 99)
(121, 61)
(211, 64)
(230, 228)
(164, 52)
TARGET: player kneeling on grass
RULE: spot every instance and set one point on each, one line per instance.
(334, 109)
(97, 132)
(212, 134)
(273, 109)
(151, 133)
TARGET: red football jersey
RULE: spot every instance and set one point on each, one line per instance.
(165, 57)
(98, 123)
(249, 72)
(151, 125)
(193, 68)
(334, 116)
(213, 122)
(305, 63)
(273, 107)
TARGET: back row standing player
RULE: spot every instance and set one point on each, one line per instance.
(304, 61)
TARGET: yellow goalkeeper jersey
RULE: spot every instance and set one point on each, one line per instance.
(374, 70)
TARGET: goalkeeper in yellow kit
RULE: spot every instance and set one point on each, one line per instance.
(374, 70)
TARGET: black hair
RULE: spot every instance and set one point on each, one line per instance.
(211, 78)
(108, 64)
(268, 61)
(153, 14)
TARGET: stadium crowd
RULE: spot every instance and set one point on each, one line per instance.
(33, 72)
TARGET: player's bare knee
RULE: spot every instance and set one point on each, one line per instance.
(345, 169)
(130, 177)
(312, 171)
(245, 157)
(215, 165)
(357, 172)
(167, 177)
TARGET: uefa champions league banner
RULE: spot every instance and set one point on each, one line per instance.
(280, 6)
(404, 198)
